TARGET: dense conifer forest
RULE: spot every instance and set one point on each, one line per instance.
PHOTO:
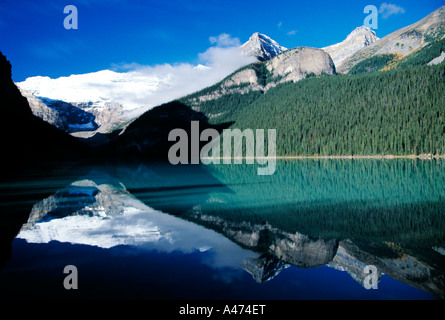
(399, 111)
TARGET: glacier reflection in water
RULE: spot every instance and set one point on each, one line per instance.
(314, 219)
(108, 215)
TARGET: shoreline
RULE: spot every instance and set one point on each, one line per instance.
(422, 156)
(386, 157)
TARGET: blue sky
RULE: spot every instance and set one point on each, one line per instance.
(115, 33)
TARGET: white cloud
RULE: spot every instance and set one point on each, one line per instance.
(225, 40)
(292, 32)
(389, 9)
(181, 79)
(147, 86)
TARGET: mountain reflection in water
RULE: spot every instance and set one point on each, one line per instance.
(344, 214)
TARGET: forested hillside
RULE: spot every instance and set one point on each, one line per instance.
(391, 61)
(396, 112)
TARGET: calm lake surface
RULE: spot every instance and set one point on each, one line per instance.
(157, 231)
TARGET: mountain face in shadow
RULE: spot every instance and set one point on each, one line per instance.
(27, 142)
(147, 137)
(26, 139)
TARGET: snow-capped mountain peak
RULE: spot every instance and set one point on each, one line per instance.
(359, 38)
(365, 32)
(98, 87)
(262, 47)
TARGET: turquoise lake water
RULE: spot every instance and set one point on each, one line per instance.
(157, 231)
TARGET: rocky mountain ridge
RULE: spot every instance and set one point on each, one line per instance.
(404, 41)
(290, 65)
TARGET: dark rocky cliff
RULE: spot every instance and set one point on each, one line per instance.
(27, 143)
(26, 139)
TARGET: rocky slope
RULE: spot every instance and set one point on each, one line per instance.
(404, 41)
(360, 38)
(291, 65)
(41, 110)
